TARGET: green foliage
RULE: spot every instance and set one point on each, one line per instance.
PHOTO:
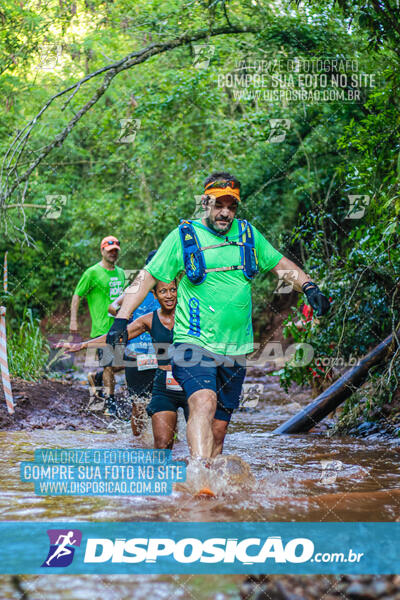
(292, 372)
(190, 125)
(193, 122)
(357, 261)
(27, 348)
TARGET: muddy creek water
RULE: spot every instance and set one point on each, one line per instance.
(307, 477)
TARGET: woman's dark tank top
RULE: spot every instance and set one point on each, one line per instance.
(163, 336)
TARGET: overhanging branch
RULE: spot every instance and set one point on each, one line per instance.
(11, 159)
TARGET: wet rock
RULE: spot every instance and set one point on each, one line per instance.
(271, 385)
(269, 595)
(261, 371)
(251, 584)
(365, 427)
(246, 590)
(344, 587)
(263, 589)
(286, 594)
(357, 590)
(365, 578)
(304, 397)
(341, 587)
(381, 587)
(276, 592)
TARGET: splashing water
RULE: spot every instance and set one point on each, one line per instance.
(224, 475)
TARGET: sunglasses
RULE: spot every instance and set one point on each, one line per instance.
(111, 242)
(222, 184)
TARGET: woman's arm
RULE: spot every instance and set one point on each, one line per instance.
(75, 347)
(139, 326)
(136, 328)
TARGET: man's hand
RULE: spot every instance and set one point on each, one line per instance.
(73, 327)
(115, 306)
(112, 309)
(316, 298)
(118, 333)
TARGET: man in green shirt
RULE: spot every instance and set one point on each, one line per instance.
(101, 284)
(219, 255)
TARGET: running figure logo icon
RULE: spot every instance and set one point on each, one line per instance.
(62, 542)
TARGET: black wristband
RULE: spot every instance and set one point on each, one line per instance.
(307, 285)
(117, 331)
(118, 321)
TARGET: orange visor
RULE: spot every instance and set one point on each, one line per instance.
(227, 190)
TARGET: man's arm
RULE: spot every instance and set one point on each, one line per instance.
(73, 326)
(133, 297)
(82, 289)
(136, 293)
(290, 272)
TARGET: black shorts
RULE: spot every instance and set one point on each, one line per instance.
(164, 399)
(139, 382)
(197, 369)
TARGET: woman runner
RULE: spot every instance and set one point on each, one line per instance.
(167, 396)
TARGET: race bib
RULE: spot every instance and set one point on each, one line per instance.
(146, 361)
(171, 383)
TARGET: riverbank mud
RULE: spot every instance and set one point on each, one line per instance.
(49, 405)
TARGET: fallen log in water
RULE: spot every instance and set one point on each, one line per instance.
(339, 391)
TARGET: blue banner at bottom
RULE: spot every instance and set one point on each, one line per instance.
(227, 548)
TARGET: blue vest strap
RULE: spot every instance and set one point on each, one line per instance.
(193, 253)
(193, 257)
(248, 252)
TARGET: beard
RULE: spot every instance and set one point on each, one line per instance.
(218, 225)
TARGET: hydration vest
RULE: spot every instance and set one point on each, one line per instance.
(193, 253)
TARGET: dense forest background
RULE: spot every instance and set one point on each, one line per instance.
(321, 183)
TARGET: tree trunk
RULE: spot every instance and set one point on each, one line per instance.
(339, 391)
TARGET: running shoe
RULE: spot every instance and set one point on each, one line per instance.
(111, 406)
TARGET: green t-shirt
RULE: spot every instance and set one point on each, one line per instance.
(101, 287)
(217, 313)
